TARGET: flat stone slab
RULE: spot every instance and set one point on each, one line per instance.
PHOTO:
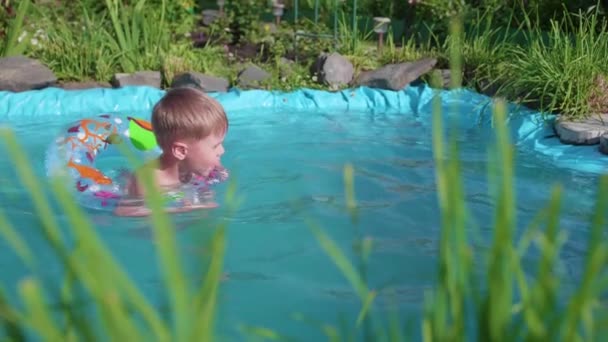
(203, 82)
(251, 76)
(395, 76)
(74, 85)
(139, 78)
(582, 132)
(20, 73)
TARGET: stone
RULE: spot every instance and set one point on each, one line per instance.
(285, 67)
(488, 88)
(582, 132)
(139, 78)
(333, 70)
(251, 76)
(73, 85)
(20, 73)
(209, 16)
(200, 81)
(443, 77)
(604, 143)
(395, 76)
(244, 52)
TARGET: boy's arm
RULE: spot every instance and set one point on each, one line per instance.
(139, 211)
(134, 204)
(131, 211)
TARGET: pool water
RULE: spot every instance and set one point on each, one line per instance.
(289, 166)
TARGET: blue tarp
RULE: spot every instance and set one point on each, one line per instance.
(529, 128)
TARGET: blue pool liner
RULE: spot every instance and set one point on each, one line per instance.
(529, 129)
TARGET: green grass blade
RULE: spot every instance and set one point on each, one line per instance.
(84, 234)
(8, 232)
(38, 315)
(597, 256)
(206, 299)
(500, 276)
(88, 255)
(123, 327)
(264, 334)
(332, 333)
(550, 253)
(341, 261)
(109, 275)
(75, 322)
(164, 234)
(367, 303)
(11, 320)
(349, 192)
(29, 180)
(11, 46)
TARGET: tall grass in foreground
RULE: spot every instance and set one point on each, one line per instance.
(118, 306)
(501, 303)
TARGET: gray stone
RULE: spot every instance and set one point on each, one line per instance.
(582, 132)
(443, 77)
(333, 70)
(200, 81)
(209, 16)
(285, 67)
(395, 76)
(71, 85)
(251, 76)
(20, 73)
(489, 88)
(604, 144)
(139, 78)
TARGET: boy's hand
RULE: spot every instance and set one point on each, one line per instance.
(222, 173)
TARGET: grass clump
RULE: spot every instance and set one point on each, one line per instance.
(560, 74)
(120, 311)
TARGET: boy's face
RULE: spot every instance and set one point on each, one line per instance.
(203, 155)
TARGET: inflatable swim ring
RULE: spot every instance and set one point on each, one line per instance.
(77, 149)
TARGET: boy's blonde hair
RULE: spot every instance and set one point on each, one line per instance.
(187, 113)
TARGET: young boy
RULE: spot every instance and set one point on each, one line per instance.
(189, 127)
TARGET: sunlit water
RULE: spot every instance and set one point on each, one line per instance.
(289, 166)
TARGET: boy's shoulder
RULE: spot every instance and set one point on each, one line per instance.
(133, 185)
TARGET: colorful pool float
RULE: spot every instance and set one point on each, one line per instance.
(77, 149)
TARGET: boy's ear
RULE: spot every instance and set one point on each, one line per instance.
(179, 150)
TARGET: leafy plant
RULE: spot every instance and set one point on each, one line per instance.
(245, 18)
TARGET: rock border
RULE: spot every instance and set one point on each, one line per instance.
(334, 71)
(331, 70)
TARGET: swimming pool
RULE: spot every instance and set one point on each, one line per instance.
(287, 152)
